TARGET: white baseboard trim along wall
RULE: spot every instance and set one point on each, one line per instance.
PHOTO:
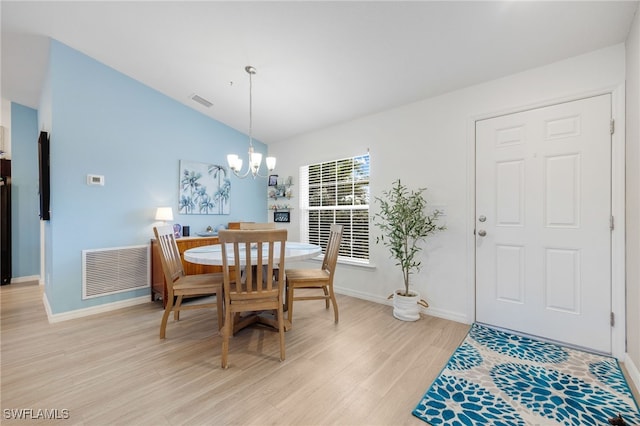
(440, 313)
(633, 371)
(79, 313)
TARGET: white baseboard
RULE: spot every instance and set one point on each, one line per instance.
(633, 371)
(441, 313)
(79, 313)
(47, 307)
(434, 312)
(360, 295)
(25, 279)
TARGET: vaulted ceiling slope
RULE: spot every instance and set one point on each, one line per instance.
(318, 63)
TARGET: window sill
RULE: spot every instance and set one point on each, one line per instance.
(365, 265)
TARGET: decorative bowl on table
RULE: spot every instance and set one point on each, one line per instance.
(211, 231)
(206, 234)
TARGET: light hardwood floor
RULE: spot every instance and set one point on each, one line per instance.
(112, 368)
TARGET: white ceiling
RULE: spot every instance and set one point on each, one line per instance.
(318, 63)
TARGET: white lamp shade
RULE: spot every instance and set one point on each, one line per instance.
(271, 163)
(235, 162)
(231, 160)
(164, 213)
(255, 158)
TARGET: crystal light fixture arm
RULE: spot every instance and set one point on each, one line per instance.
(255, 158)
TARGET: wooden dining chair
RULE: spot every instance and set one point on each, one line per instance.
(257, 225)
(260, 225)
(259, 289)
(317, 278)
(180, 285)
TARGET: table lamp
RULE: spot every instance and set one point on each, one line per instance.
(164, 214)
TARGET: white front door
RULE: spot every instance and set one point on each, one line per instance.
(543, 209)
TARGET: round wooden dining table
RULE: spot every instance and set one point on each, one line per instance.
(212, 255)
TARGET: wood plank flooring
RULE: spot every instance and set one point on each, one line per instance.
(112, 369)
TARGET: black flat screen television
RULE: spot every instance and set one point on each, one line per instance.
(44, 174)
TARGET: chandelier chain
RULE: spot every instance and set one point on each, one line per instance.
(251, 71)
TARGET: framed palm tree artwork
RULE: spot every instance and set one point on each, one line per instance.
(204, 188)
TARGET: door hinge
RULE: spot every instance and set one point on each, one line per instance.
(612, 126)
(613, 319)
(611, 223)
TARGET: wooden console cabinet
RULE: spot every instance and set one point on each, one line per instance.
(158, 284)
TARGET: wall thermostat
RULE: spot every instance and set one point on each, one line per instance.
(95, 180)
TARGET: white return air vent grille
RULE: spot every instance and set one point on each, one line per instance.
(114, 270)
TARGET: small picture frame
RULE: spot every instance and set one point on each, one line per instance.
(177, 230)
(273, 180)
(282, 217)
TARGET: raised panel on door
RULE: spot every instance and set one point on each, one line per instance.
(510, 274)
(562, 192)
(509, 206)
(563, 283)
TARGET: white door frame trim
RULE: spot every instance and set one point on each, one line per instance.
(618, 305)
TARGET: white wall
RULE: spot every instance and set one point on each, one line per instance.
(429, 143)
(633, 196)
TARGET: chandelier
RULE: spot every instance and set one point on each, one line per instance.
(255, 158)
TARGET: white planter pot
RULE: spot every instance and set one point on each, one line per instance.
(406, 308)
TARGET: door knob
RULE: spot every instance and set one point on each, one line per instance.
(482, 232)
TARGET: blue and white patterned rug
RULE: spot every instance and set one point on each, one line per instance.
(497, 378)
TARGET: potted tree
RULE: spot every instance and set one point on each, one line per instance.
(405, 225)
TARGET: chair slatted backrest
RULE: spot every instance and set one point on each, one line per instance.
(254, 225)
(170, 256)
(257, 248)
(333, 248)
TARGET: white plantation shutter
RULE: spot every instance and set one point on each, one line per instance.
(337, 192)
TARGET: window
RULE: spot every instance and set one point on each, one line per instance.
(337, 192)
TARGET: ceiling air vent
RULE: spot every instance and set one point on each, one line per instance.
(201, 100)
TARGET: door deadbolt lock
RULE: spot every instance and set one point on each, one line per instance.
(482, 218)
(482, 232)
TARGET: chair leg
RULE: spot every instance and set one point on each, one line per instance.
(290, 303)
(165, 316)
(326, 295)
(234, 317)
(176, 311)
(334, 302)
(226, 332)
(219, 308)
(281, 328)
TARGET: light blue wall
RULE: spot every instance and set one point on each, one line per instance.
(105, 123)
(25, 223)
